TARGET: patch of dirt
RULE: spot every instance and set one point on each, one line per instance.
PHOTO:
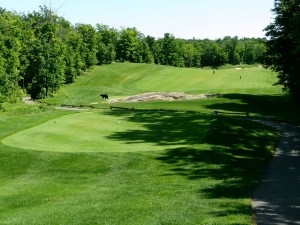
(161, 96)
(71, 108)
(29, 101)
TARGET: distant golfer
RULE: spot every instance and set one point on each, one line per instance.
(214, 72)
(240, 76)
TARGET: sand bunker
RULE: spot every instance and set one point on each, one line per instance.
(161, 96)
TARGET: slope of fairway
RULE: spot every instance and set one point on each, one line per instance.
(95, 132)
(125, 79)
(77, 132)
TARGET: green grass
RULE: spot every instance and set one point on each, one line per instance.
(89, 132)
(254, 93)
(200, 176)
(163, 163)
(124, 79)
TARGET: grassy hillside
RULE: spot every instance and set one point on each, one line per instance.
(124, 79)
(253, 93)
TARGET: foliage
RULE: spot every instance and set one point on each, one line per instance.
(283, 46)
(40, 51)
(20, 108)
(10, 45)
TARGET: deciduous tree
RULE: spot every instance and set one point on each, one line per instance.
(283, 46)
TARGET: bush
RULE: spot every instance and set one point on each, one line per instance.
(21, 108)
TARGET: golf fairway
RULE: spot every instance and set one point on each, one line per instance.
(80, 132)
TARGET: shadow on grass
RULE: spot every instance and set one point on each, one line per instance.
(164, 127)
(230, 151)
(237, 157)
(279, 106)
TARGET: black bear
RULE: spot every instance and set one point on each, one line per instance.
(104, 96)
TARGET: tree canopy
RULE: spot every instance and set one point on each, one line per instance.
(283, 46)
(40, 51)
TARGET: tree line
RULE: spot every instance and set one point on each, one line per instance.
(40, 51)
(283, 46)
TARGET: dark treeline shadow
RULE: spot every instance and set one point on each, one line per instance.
(279, 106)
(226, 149)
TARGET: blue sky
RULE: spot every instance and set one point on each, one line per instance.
(183, 18)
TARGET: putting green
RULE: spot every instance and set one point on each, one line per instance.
(81, 132)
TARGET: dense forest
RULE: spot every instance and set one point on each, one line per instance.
(40, 51)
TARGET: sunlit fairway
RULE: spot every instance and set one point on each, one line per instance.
(125, 79)
(94, 132)
(204, 172)
(164, 162)
(96, 127)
